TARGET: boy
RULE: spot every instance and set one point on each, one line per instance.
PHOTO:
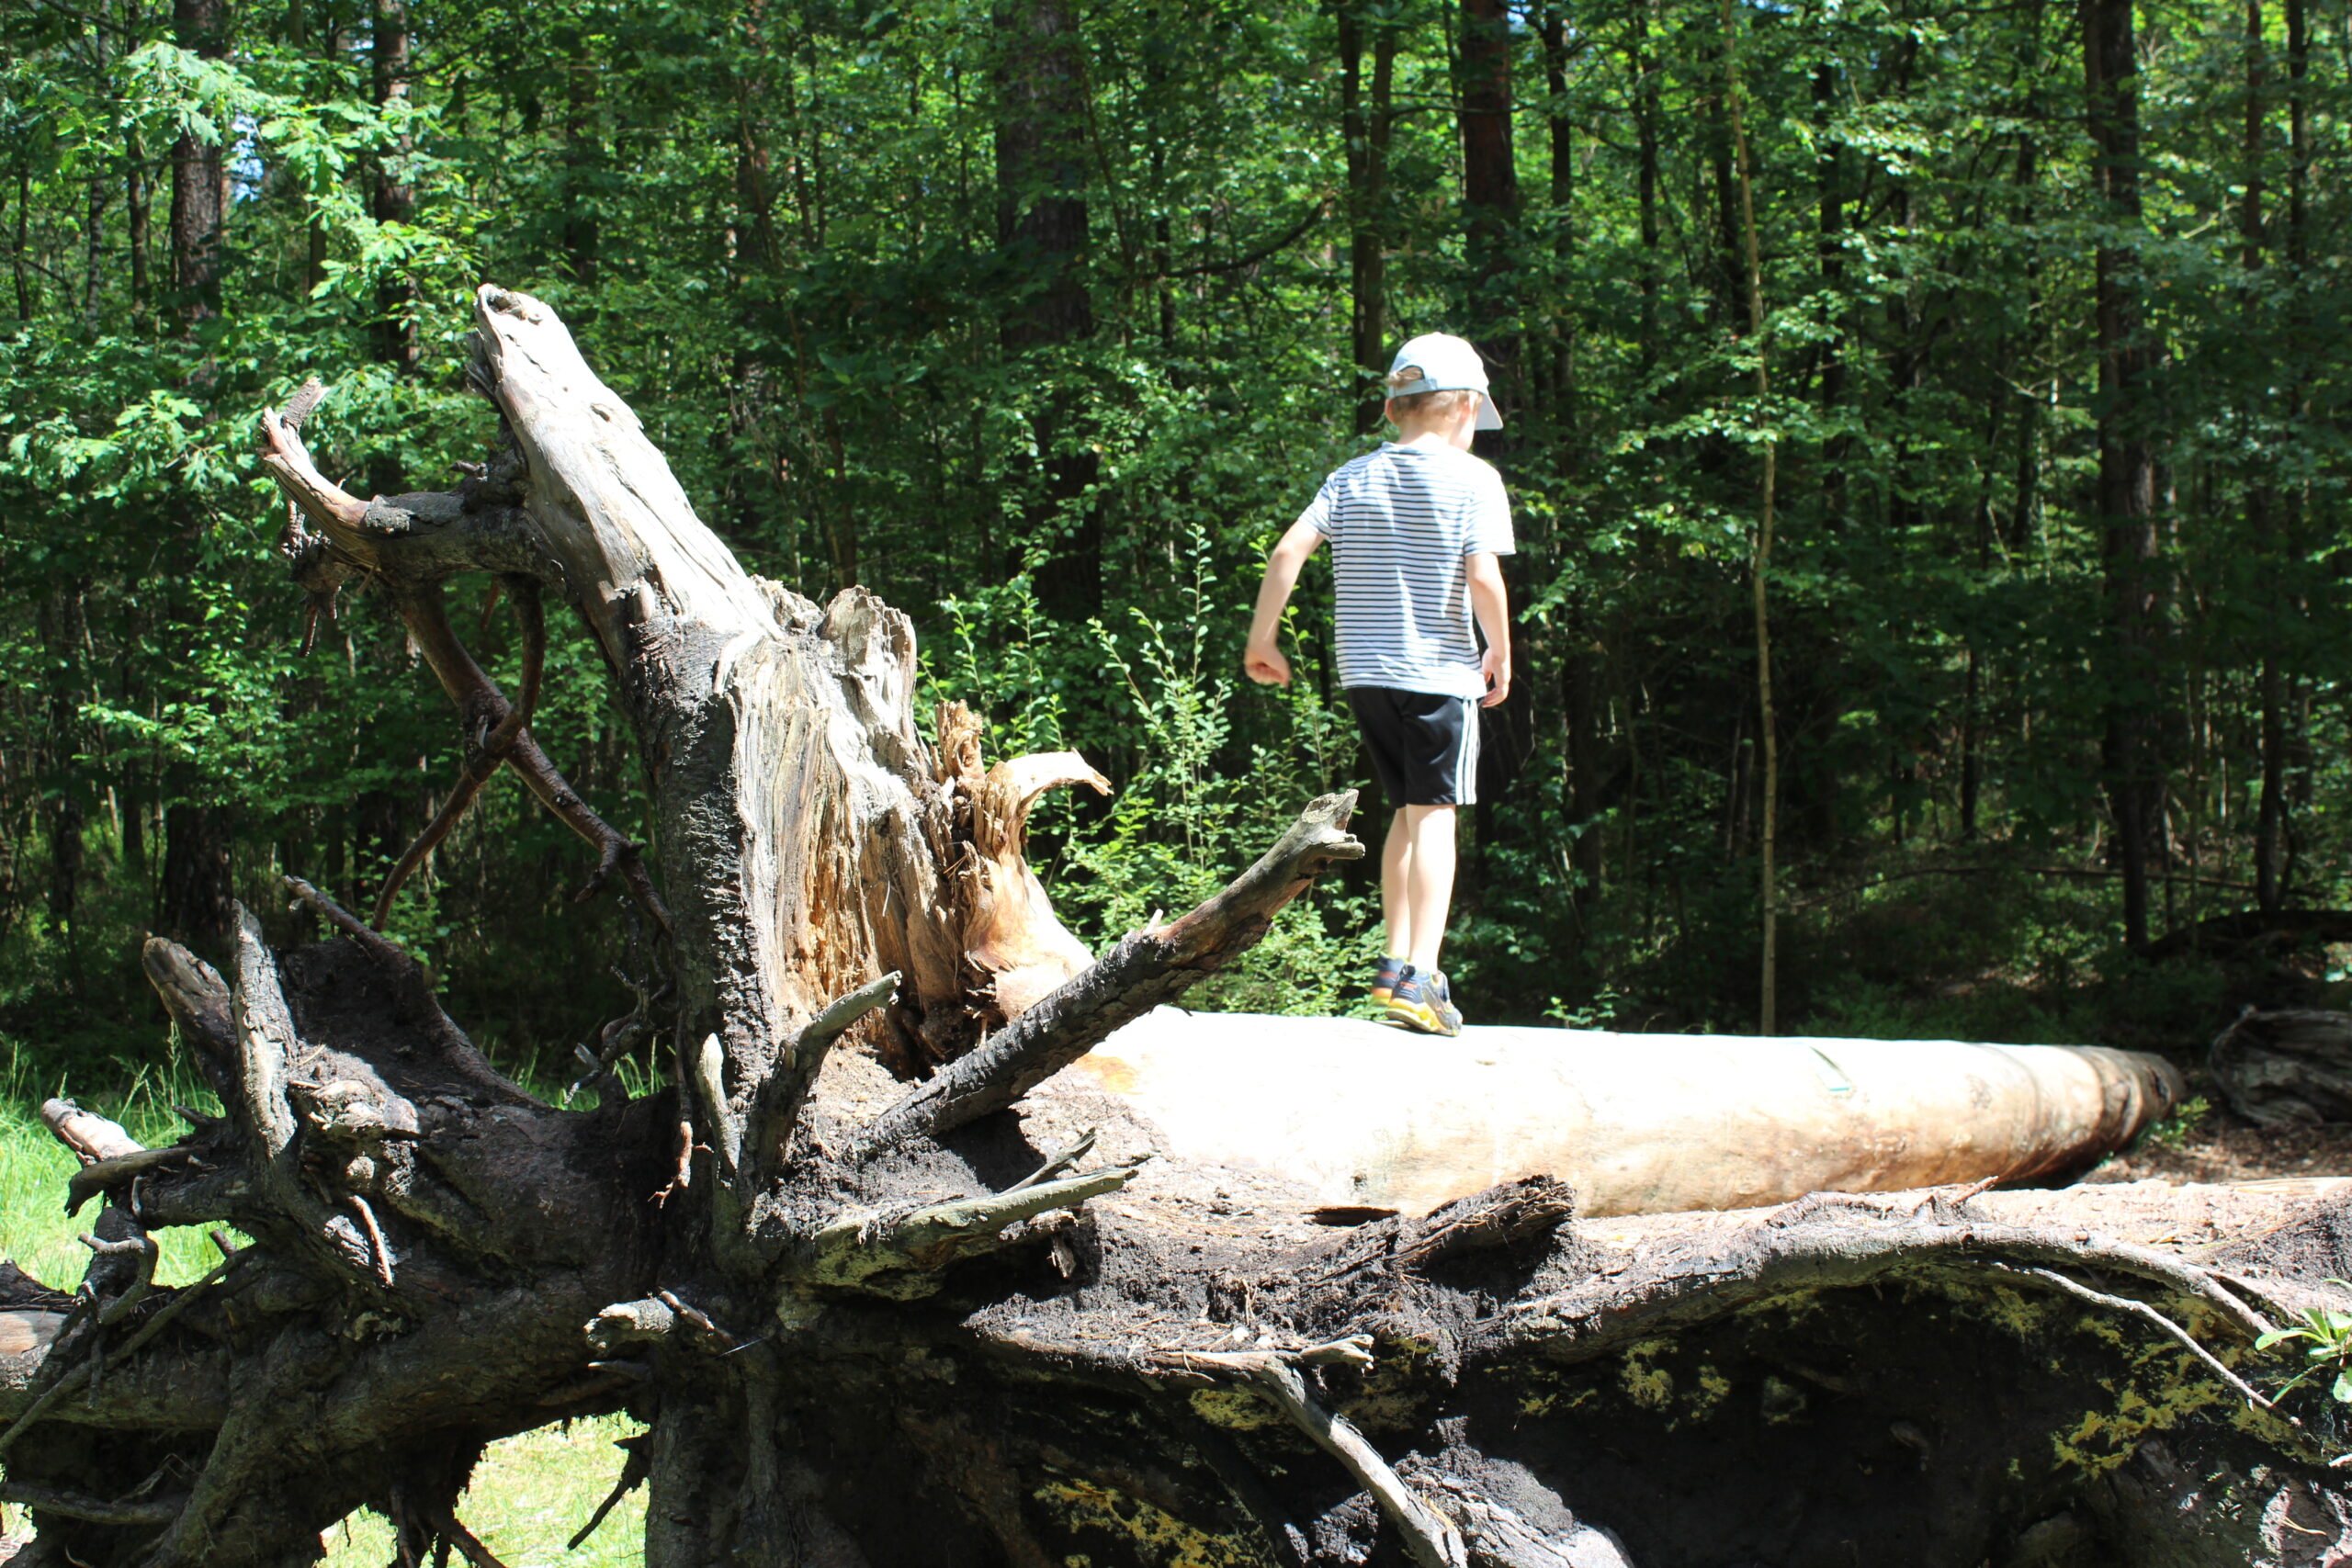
(1414, 530)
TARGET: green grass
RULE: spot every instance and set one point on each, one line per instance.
(528, 1496)
(530, 1492)
(35, 1230)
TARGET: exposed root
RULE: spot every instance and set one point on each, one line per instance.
(377, 1249)
(458, 1052)
(105, 1174)
(155, 1510)
(468, 1546)
(1055, 1163)
(1602, 1313)
(1275, 1374)
(72, 1376)
(639, 1465)
(143, 1249)
(2187, 1341)
(900, 1255)
(618, 1037)
(90, 1137)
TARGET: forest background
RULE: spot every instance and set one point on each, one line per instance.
(1042, 320)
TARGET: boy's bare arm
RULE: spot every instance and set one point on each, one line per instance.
(1490, 602)
(1260, 658)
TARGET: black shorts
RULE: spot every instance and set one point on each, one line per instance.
(1424, 749)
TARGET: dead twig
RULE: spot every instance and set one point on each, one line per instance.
(376, 1245)
(485, 752)
(1055, 1164)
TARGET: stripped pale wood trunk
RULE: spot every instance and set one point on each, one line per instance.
(882, 1321)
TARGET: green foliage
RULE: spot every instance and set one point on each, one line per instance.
(790, 237)
(2182, 1127)
(2324, 1334)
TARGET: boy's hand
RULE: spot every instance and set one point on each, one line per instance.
(1266, 665)
(1496, 667)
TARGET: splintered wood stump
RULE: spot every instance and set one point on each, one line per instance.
(883, 1301)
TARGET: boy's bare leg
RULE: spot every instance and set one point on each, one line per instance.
(1396, 877)
(1428, 881)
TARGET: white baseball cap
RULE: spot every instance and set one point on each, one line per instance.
(1447, 364)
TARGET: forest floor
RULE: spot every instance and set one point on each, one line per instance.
(2221, 1148)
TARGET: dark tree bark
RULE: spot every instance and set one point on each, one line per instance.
(879, 1321)
(2261, 502)
(2126, 490)
(583, 160)
(1490, 164)
(1366, 123)
(1647, 109)
(1560, 371)
(134, 176)
(194, 902)
(1041, 179)
(392, 198)
(201, 27)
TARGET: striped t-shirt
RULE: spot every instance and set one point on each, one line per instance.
(1403, 522)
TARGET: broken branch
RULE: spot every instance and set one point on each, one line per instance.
(91, 1136)
(1146, 969)
(897, 1254)
(776, 1109)
(483, 752)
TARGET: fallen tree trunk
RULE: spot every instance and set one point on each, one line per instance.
(1648, 1123)
(2282, 1069)
(877, 1313)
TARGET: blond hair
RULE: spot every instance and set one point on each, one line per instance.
(1435, 405)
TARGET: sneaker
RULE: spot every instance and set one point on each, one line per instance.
(1383, 979)
(1423, 1001)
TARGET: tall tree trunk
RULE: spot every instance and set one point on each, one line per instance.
(21, 254)
(1760, 559)
(1647, 109)
(1365, 124)
(195, 894)
(134, 179)
(583, 160)
(2126, 492)
(201, 27)
(65, 633)
(195, 901)
(392, 200)
(2261, 500)
(1561, 122)
(1489, 162)
(1041, 177)
(94, 252)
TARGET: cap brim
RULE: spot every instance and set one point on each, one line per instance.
(1489, 416)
